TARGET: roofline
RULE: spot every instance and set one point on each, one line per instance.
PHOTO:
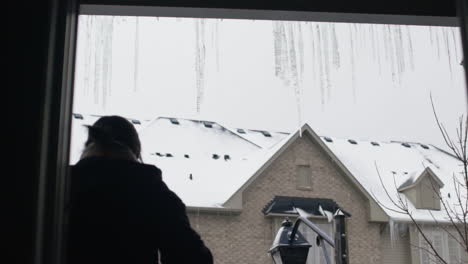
(204, 209)
(307, 130)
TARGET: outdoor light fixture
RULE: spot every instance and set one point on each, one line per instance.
(290, 246)
(286, 250)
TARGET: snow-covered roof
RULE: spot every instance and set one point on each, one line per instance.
(263, 138)
(206, 164)
(196, 138)
(397, 163)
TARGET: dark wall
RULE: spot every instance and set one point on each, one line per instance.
(28, 32)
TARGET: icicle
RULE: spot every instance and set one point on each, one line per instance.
(335, 48)
(376, 45)
(277, 47)
(326, 52)
(87, 63)
(410, 48)
(293, 70)
(391, 52)
(107, 58)
(200, 60)
(437, 43)
(301, 52)
(447, 48)
(320, 64)
(97, 61)
(400, 51)
(353, 63)
(392, 231)
(312, 40)
(216, 24)
(136, 55)
(455, 43)
(431, 36)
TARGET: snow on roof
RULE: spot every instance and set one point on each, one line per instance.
(263, 138)
(195, 138)
(205, 163)
(397, 163)
(199, 179)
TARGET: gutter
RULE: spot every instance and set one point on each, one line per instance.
(213, 210)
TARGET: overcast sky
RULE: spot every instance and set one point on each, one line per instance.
(355, 81)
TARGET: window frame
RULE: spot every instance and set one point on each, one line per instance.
(430, 233)
(52, 185)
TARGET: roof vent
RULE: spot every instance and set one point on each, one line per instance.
(352, 141)
(186, 156)
(266, 133)
(169, 155)
(208, 124)
(375, 143)
(406, 145)
(174, 121)
(159, 154)
(327, 139)
(78, 116)
(215, 156)
(424, 146)
(227, 157)
(241, 131)
(136, 122)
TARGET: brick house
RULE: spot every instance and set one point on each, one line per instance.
(232, 181)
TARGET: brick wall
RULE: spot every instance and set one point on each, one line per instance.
(245, 238)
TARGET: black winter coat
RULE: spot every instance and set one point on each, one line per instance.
(122, 212)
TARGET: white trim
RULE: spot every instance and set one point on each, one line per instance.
(128, 10)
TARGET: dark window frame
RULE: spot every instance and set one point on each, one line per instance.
(51, 193)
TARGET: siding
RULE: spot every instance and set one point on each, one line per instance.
(398, 252)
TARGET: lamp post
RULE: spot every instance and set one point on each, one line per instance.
(290, 246)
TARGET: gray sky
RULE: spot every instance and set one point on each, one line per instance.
(147, 68)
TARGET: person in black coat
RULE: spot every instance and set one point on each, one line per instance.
(120, 209)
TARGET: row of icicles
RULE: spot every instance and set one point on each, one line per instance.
(390, 45)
